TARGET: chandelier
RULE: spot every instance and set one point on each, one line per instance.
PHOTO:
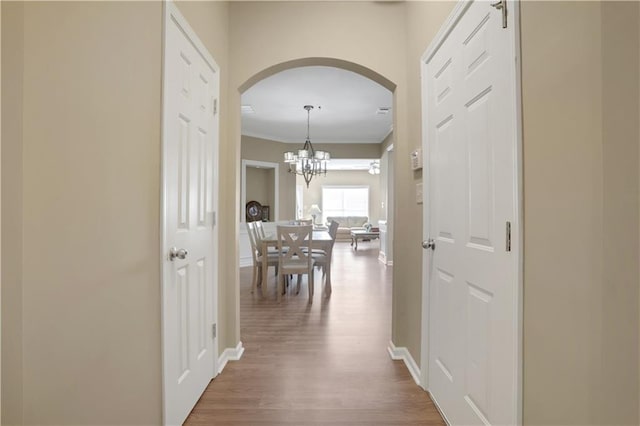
(307, 162)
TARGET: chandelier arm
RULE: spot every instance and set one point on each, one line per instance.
(305, 163)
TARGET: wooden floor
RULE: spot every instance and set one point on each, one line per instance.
(320, 364)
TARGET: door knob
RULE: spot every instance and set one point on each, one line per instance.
(429, 244)
(175, 252)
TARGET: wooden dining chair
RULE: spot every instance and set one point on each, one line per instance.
(260, 229)
(333, 229)
(256, 254)
(297, 259)
(261, 235)
(322, 258)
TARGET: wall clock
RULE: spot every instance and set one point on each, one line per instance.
(254, 211)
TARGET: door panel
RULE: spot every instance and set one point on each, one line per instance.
(480, 172)
(443, 153)
(472, 280)
(182, 166)
(182, 284)
(190, 138)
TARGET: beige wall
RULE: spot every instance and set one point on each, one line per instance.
(0, 227)
(386, 166)
(261, 186)
(313, 194)
(271, 151)
(81, 332)
(349, 150)
(91, 196)
(581, 229)
(620, 59)
(563, 177)
(12, 69)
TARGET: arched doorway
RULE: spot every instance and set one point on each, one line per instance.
(382, 151)
(250, 139)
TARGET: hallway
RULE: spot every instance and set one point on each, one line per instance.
(321, 364)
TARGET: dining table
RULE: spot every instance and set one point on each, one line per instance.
(321, 240)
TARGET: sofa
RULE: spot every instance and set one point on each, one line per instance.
(346, 224)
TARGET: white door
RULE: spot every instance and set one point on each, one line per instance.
(190, 143)
(472, 275)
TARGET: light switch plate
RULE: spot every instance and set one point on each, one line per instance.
(416, 159)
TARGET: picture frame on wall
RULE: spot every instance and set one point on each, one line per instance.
(266, 213)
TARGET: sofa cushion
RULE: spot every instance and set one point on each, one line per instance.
(342, 221)
(346, 224)
(357, 221)
(348, 221)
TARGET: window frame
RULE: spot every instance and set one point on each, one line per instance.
(367, 187)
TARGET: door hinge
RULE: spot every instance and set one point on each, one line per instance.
(215, 106)
(214, 331)
(508, 237)
(213, 218)
(502, 5)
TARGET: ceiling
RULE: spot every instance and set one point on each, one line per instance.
(346, 107)
(339, 164)
(350, 164)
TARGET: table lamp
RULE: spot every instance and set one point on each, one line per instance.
(314, 210)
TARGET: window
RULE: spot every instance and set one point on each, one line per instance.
(345, 201)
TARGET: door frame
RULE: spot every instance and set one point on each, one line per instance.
(518, 240)
(0, 220)
(276, 183)
(172, 14)
(391, 201)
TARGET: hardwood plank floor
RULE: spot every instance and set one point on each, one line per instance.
(320, 364)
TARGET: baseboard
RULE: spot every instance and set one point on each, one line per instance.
(382, 257)
(230, 354)
(435, 402)
(402, 354)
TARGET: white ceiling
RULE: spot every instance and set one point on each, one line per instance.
(345, 104)
(350, 164)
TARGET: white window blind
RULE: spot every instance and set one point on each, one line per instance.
(345, 201)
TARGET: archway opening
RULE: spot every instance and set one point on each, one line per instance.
(295, 202)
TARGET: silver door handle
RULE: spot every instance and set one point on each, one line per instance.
(502, 5)
(175, 252)
(429, 244)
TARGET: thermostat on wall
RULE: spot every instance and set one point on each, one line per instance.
(416, 159)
